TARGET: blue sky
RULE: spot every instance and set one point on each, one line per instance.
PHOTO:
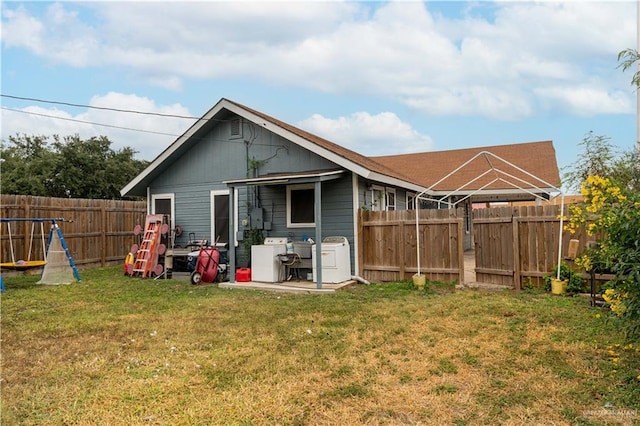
(377, 77)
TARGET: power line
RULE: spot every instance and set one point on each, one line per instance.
(89, 122)
(129, 111)
(129, 128)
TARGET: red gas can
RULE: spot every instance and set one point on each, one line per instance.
(243, 275)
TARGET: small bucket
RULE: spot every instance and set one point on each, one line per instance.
(419, 280)
(558, 286)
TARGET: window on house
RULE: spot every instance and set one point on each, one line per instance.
(378, 199)
(411, 200)
(220, 216)
(163, 204)
(301, 206)
(391, 199)
(383, 199)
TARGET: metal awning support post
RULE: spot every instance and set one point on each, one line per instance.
(318, 213)
(232, 237)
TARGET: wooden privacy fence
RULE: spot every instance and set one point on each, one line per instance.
(388, 245)
(517, 245)
(101, 231)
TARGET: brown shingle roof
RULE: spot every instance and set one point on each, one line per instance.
(537, 158)
(424, 169)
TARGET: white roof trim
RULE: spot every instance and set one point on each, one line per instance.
(282, 178)
(164, 155)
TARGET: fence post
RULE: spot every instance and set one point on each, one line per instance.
(401, 247)
(516, 252)
(103, 220)
(460, 223)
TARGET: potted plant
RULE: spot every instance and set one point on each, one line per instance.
(566, 281)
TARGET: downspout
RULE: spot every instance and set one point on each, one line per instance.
(232, 236)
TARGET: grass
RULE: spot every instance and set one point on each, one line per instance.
(116, 350)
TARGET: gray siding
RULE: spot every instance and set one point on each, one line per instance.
(337, 212)
(218, 157)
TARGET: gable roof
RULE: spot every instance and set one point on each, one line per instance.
(537, 158)
(350, 160)
(415, 172)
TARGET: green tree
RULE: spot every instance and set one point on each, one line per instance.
(25, 164)
(601, 158)
(610, 213)
(627, 59)
(68, 167)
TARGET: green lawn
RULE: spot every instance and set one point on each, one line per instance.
(115, 350)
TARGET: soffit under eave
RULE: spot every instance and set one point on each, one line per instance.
(138, 186)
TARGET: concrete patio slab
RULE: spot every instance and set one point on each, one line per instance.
(304, 287)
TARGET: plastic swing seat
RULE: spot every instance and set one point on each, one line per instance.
(23, 265)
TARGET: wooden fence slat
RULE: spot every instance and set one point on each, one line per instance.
(101, 233)
(389, 244)
(535, 233)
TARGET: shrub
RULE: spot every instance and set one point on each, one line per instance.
(574, 281)
(611, 213)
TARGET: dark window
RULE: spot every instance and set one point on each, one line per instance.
(221, 218)
(162, 206)
(302, 206)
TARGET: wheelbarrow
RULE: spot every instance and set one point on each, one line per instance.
(208, 267)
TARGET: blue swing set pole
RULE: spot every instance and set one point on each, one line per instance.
(54, 226)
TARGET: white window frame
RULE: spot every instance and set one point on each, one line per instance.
(212, 195)
(388, 205)
(167, 196)
(411, 200)
(378, 199)
(300, 225)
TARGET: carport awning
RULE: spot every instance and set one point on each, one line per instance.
(287, 178)
(315, 177)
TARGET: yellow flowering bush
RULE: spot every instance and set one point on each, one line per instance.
(611, 214)
(616, 301)
(596, 214)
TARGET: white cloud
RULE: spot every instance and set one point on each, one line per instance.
(49, 121)
(586, 101)
(501, 103)
(494, 62)
(370, 135)
(58, 36)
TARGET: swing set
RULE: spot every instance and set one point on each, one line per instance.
(23, 265)
(54, 251)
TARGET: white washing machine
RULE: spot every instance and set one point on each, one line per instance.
(336, 260)
(265, 264)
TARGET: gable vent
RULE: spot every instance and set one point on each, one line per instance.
(236, 128)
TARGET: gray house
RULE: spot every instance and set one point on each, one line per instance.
(238, 173)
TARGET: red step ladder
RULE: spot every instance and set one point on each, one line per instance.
(147, 254)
